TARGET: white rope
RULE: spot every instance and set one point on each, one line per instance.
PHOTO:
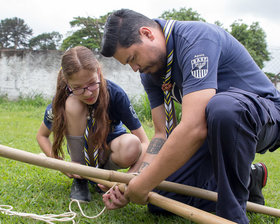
(48, 218)
(51, 218)
(81, 210)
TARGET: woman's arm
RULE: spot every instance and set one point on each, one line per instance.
(43, 140)
(141, 134)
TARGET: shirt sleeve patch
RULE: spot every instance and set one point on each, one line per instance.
(133, 111)
(49, 115)
(199, 66)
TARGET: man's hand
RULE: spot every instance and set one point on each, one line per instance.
(135, 193)
(114, 199)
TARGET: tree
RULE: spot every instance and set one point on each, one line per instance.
(46, 41)
(219, 23)
(14, 33)
(253, 39)
(89, 33)
(183, 15)
(274, 78)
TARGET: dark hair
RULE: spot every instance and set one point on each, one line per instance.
(73, 61)
(122, 27)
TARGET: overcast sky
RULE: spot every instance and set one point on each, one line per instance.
(55, 15)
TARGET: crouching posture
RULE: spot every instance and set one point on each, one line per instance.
(90, 112)
(230, 109)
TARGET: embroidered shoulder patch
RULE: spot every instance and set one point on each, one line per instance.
(199, 66)
(133, 111)
(50, 115)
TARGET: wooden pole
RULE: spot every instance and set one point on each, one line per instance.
(178, 208)
(110, 175)
(213, 196)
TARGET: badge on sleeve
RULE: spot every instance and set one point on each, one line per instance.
(199, 66)
(50, 115)
(133, 111)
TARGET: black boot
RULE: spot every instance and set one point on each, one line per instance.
(80, 191)
(258, 176)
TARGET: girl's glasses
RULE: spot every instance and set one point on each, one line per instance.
(91, 87)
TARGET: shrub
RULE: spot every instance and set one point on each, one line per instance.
(143, 109)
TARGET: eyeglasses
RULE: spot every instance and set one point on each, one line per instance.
(91, 87)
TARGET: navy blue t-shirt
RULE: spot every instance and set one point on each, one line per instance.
(206, 56)
(120, 109)
(48, 117)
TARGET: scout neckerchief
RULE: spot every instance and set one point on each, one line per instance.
(167, 85)
(90, 125)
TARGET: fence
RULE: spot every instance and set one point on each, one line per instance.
(273, 66)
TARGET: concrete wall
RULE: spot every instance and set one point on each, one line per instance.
(29, 73)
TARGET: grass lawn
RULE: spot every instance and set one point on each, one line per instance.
(38, 190)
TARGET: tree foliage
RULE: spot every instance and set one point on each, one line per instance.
(88, 34)
(274, 78)
(253, 38)
(46, 41)
(14, 33)
(183, 15)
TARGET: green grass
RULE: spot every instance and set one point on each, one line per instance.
(33, 189)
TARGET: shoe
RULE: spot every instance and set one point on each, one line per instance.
(80, 191)
(97, 189)
(258, 176)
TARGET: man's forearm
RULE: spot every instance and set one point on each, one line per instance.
(152, 150)
(155, 145)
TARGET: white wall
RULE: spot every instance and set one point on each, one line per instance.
(29, 73)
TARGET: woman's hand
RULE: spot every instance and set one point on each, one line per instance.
(69, 174)
(114, 199)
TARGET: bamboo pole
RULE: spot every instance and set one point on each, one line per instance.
(110, 175)
(178, 208)
(213, 196)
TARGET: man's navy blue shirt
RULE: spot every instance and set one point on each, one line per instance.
(206, 56)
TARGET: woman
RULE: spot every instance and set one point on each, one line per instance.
(84, 100)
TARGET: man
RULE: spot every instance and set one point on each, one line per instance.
(230, 109)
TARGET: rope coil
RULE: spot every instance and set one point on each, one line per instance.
(51, 218)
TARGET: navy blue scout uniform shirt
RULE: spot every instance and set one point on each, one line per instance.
(120, 109)
(48, 117)
(206, 56)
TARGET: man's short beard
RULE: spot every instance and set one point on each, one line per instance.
(157, 75)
